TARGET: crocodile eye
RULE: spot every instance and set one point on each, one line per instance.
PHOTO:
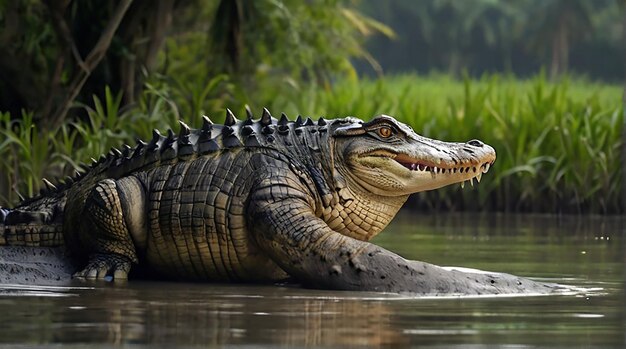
(385, 132)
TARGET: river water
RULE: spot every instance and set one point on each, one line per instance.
(586, 252)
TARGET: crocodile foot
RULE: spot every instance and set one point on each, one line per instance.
(105, 267)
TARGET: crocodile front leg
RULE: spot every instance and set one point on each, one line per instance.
(105, 228)
(309, 250)
(282, 219)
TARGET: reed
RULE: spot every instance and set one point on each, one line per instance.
(558, 143)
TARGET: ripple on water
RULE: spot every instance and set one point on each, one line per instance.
(17, 290)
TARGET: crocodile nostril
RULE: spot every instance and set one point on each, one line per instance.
(475, 143)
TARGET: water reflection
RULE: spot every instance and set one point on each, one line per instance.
(530, 245)
(177, 314)
(189, 314)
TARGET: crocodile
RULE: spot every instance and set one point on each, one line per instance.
(257, 200)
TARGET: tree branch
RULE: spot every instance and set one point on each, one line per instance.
(90, 63)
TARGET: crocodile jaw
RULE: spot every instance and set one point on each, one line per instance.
(392, 173)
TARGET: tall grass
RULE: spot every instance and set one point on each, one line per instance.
(558, 143)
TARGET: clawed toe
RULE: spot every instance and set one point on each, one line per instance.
(104, 266)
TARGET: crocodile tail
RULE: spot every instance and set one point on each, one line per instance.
(30, 228)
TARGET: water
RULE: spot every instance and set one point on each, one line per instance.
(584, 252)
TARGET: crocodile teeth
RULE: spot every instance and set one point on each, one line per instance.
(471, 180)
(486, 168)
(416, 167)
(432, 169)
(462, 184)
(479, 177)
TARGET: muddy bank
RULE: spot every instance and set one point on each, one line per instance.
(50, 266)
(34, 266)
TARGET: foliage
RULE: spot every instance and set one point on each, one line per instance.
(516, 36)
(29, 154)
(61, 52)
(557, 143)
(304, 41)
(51, 47)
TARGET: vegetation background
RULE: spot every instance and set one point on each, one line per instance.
(537, 79)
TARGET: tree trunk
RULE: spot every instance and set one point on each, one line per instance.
(564, 49)
(89, 64)
(624, 113)
(454, 63)
(149, 20)
(560, 50)
(554, 67)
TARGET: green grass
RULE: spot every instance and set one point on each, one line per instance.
(558, 144)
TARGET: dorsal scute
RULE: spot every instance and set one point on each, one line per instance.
(266, 117)
(249, 116)
(139, 148)
(284, 120)
(126, 150)
(154, 142)
(185, 131)
(247, 130)
(115, 152)
(208, 139)
(49, 185)
(230, 119)
(207, 124)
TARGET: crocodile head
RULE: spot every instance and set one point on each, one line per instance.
(388, 158)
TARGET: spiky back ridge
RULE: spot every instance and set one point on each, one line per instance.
(190, 143)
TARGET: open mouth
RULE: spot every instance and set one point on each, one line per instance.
(425, 166)
(420, 166)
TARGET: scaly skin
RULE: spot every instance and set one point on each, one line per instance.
(259, 201)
